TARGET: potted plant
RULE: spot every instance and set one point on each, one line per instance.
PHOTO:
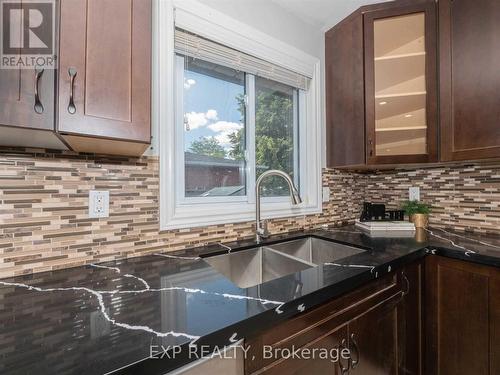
(418, 212)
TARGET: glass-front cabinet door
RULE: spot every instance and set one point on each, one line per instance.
(400, 85)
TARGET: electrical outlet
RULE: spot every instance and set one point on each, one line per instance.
(98, 204)
(326, 194)
(414, 193)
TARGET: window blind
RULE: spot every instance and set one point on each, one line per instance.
(194, 46)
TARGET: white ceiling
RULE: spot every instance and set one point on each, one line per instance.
(323, 14)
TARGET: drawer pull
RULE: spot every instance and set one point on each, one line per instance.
(343, 369)
(407, 283)
(354, 350)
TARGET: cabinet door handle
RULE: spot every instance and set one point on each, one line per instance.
(343, 369)
(355, 351)
(407, 282)
(71, 105)
(38, 107)
(370, 142)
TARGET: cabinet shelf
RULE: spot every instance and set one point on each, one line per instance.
(399, 95)
(399, 56)
(401, 128)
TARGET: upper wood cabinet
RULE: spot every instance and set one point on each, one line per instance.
(27, 108)
(399, 81)
(27, 98)
(470, 79)
(381, 86)
(103, 96)
(401, 84)
(105, 75)
(345, 93)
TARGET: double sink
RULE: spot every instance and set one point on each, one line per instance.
(255, 266)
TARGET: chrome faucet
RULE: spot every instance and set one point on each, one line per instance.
(261, 225)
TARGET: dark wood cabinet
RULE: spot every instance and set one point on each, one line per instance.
(379, 323)
(373, 340)
(381, 86)
(105, 75)
(463, 318)
(400, 80)
(345, 95)
(26, 93)
(401, 84)
(293, 366)
(17, 98)
(102, 102)
(470, 79)
(27, 119)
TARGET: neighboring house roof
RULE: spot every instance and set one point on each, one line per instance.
(213, 161)
(223, 191)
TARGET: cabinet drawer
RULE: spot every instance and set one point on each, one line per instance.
(308, 327)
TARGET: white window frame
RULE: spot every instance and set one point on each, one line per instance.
(179, 145)
(214, 25)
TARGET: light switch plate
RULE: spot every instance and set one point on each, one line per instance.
(326, 194)
(414, 193)
(98, 203)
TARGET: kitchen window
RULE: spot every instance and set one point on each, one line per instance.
(235, 115)
(234, 127)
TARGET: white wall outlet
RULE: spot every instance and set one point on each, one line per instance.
(98, 203)
(414, 193)
(326, 194)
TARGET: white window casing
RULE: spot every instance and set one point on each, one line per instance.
(215, 26)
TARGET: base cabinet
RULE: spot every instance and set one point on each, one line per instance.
(332, 341)
(463, 318)
(374, 324)
(373, 339)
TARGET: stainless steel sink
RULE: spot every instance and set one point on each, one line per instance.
(252, 267)
(255, 266)
(316, 251)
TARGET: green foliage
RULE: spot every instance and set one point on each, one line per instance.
(237, 140)
(274, 131)
(273, 137)
(208, 146)
(415, 207)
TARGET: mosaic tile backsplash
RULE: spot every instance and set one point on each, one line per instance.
(464, 197)
(44, 222)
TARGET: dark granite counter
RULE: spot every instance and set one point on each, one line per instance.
(111, 317)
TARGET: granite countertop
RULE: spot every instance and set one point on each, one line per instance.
(110, 317)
